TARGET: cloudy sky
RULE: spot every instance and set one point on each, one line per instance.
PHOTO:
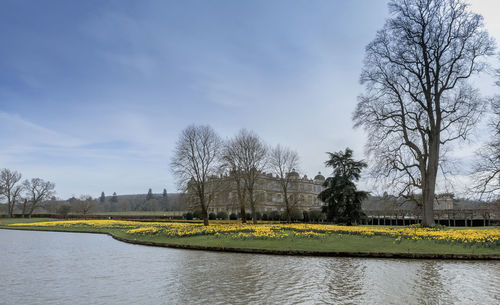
(93, 94)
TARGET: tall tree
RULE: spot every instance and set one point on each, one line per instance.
(114, 198)
(343, 200)
(282, 162)
(418, 97)
(37, 191)
(164, 200)
(250, 155)
(10, 188)
(102, 199)
(196, 162)
(232, 161)
(149, 196)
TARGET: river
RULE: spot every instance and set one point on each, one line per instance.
(75, 268)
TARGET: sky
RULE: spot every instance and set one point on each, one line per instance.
(94, 94)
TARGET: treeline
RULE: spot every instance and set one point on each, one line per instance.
(141, 202)
(29, 196)
(85, 204)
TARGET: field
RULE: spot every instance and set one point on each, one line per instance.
(273, 236)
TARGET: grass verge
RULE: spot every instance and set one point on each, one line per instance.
(346, 243)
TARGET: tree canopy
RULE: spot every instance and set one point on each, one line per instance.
(343, 200)
(418, 99)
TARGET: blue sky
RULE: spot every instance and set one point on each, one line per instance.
(93, 94)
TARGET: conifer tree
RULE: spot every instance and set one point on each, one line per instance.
(343, 200)
(114, 198)
(149, 196)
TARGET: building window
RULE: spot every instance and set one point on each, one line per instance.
(269, 197)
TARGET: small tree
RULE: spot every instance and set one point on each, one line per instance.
(37, 190)
(83, 205)
(343, 200)
(114, 198)
(305, 216)
(222, 215)
(63, 209)
(10, 188)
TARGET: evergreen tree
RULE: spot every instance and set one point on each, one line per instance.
(343, 200)
(114, 198)
(149, 196)
(164, 200)
(102, 199)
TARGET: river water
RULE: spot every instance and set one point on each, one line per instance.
(75, 268)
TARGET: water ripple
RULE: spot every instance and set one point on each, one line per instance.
(62, 268)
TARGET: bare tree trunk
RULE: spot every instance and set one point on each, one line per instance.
(288, 212)
(204, 214)
(10, 207)
(241, 200)
(25, 207)
(243, 213)
(252, 206)
(204, 210)
(428, 192)
(287, 204)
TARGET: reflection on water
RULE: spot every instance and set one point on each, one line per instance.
(63, 268)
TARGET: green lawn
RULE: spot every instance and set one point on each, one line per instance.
(333, 243)
(8, 221)
(142, 213)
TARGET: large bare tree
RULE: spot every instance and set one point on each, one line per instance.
(282, 162)
(232, 162)
(10, 188)
(37, 191)
(251, 157)
(196, 164)
(417, 96)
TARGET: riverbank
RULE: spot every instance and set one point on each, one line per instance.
(288, 239)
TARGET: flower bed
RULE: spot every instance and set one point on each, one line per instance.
(479, 237)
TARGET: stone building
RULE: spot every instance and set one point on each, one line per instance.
(268, 193)
(443, 202)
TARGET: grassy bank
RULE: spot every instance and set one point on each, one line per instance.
(142, 213)
(317, 238)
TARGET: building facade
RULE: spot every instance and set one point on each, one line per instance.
(302, 191)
